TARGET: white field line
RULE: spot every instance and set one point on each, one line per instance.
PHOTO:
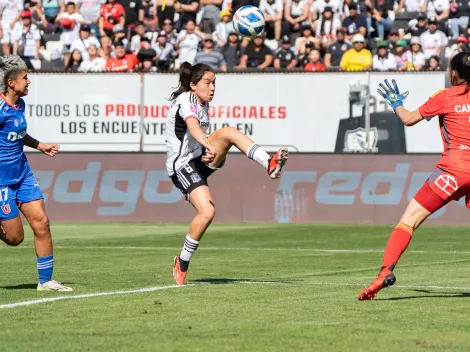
(89, 295)
(238, 281)
(254, 249)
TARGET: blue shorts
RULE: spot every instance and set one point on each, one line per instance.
(12, 196)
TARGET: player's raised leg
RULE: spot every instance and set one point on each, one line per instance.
(35, 213)
(425, 202)
(222, 140)
(201, 200)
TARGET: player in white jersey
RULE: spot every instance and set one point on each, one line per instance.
(192, 156)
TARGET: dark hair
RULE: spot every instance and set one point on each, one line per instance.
(460, 63)
(71, 67)
(189, 74)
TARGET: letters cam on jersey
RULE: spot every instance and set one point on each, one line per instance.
(453, 108)
(13, 163)
(180, 145)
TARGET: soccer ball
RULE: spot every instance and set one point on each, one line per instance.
(248, 21)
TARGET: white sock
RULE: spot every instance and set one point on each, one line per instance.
(256, 153)
(189, 248)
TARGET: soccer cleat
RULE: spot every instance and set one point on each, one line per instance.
(178, 274)
(276, 163)
(53, 285)
(386, 278)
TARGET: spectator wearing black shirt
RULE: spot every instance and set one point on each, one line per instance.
(286, 56)
(379, 10)
(232, 51)
(335, 51)
(419, 26)
(146, 51)
(187, 10)
(236, 4)
(459, 15)
(134, 13)
(257, 55)
(355, 22)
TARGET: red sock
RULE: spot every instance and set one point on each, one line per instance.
(397, 243)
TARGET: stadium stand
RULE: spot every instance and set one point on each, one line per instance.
(301, 35)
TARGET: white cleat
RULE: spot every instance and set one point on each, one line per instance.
(276, 163)
(53, 286)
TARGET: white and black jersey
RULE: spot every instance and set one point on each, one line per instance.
(181, 147)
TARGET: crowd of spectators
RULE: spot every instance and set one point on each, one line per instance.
(300, 35)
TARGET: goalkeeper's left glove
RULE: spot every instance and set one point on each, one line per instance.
(392, 95)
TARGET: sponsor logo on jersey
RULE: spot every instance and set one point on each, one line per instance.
(464, 147)
(6, 209)
(193, 108)
(195, 178)
(356, 141)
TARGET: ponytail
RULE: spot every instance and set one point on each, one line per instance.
(189, 74)
(460, 63)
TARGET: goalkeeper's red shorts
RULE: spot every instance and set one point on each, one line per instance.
(442, 187)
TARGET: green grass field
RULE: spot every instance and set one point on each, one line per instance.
(250, 288)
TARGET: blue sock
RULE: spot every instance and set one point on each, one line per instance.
(45, 266)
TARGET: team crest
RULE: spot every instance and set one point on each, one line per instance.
(195, 178)
(16, 123)
(355, 141)
(6, 209)
(193, 108)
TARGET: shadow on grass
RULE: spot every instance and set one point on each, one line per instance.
(429, 294)
(222, 281)
(27, 286)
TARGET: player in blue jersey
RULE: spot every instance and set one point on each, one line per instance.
(19, 190)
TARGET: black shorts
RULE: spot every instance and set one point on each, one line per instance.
(193, 175)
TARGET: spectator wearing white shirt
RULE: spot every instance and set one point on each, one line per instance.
(433, 41)
(70, 23)
(91, 11)
(11, 13)
(94, 63)
(26, 39)
(84, 41)
(188, 43)
(135, 40)
(436, 8)
(410, 5)
(272, 10)
(295, 12)
(415, 56)
(325, 28)
(383, 60)
(318, 7)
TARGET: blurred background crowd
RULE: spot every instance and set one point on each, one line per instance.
(300, 35)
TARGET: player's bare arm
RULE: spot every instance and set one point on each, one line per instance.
(409, 118)
(198, 134)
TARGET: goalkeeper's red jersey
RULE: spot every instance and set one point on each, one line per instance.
(452, 106)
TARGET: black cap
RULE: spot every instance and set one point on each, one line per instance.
(421, 16)
(352, 6)
(433, 20)
(286, 39)
(85, 27)
(327, 8)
